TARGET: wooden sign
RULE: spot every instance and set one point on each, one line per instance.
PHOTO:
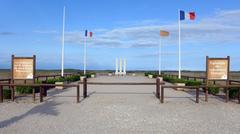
(23, 68)
(218, 68)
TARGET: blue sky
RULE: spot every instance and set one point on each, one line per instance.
(122, 28)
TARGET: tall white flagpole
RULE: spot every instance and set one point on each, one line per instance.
(179, 46)
(124, 66)
(63, 29)
(116, 71)
(85, 54)
(160, 57)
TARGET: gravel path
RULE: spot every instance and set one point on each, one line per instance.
(120, 110)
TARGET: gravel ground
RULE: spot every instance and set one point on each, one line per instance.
(120, 110)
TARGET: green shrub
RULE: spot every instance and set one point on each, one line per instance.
(72, 78)
(213, 90)
(24, 89)
(154, 74)
(50, 81)
(233, 93)
(173, 80)
(6, 94)
(146, 73)
(193, 83)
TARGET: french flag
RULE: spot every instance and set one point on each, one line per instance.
(190, 15)
(88, 33)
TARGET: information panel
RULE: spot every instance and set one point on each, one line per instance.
(218, 69)
(23, 68)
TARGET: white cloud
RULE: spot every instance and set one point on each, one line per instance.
(221, 28)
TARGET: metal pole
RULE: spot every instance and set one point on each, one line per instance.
(85, 55)
(179, 46)
(160, 57)
(63, 29)
(116, 72)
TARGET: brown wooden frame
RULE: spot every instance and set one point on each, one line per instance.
(12, 77)
(214, 80)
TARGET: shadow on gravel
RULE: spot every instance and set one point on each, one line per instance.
(47, 108)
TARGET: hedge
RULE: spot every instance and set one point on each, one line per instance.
(154, 74)
(233, 92)
(213, 90)
(187, 82)
(193, 83)
(6, 94)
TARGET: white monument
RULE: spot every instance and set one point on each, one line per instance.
(120, 66)
(116, 72)
(124, 67)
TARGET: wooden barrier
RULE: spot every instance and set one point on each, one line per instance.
(206, 93)
(157, 83)
(41, 89)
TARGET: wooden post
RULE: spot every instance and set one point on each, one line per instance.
(34, 95)
(9, 82)
(1, 94)
(227, 95)
(41, 94)
(206, 81)
(12, 81)
(85, 87)
(227, 82)
(34, 74)
(214, 82)
(78, 94)
(12, 93)
(197, 95)
(44, 91)
(158, 87)
(239, 95)
(162, 95)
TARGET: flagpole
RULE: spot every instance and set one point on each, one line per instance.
(179, 46)
(160, 57)
(85, 54)
(63, 28)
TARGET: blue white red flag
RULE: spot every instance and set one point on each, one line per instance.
(86, 33)
(190, 15)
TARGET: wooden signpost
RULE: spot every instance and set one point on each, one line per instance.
(217, 69)
(23, 68)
